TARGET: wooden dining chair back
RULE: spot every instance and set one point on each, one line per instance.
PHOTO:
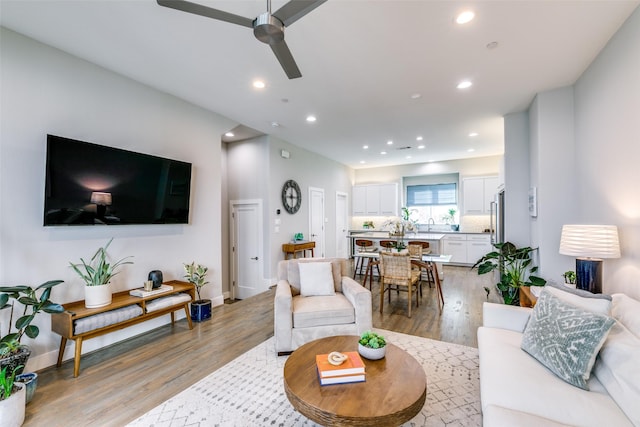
(425, 245)
(397, 275)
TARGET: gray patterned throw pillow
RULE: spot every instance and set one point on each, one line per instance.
(565, 338)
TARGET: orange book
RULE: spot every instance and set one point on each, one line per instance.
(352, 366)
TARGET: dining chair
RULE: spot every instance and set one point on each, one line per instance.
(428, 276)
(397, 275)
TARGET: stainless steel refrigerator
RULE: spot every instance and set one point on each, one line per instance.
(497, 217)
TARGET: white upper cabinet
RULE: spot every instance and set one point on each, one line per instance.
(375, 200)
(478, 193)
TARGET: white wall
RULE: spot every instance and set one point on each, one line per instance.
(582, 155)
(607, 116)
(47, 91)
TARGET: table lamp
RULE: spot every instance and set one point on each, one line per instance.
(102, 200)
(590, 244)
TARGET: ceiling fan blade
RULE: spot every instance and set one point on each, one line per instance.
(296, 9)
(208, 12)
(282, 52)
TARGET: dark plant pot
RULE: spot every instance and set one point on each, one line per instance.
(201, 310)
(156, 277)
(30, 380)
(14, 360)
(455, 227)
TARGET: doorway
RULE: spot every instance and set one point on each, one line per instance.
(342, 218)
(316, 219)
(246, 248)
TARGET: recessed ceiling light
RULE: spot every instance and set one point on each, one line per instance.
(416, 96)
(362, 162)
(229, 134)
(311, 119)
(420, 147)
(465, 84)
(464, 17)
(408, 157)
(419, 138)
(389, 142)
(470, 150)
(383, 152)
(258, 84)
(275, 124)
(473, 134)
(366, 147)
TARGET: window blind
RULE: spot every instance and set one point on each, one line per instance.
(432, 195)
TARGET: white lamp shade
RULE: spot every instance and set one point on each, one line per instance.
(101, 198)
(592, 241)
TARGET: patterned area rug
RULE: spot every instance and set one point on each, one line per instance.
(249, 391)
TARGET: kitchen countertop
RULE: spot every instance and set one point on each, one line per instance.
(385, 235)
(360, 232)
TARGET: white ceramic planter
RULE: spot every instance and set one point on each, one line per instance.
(97, 296)
(372, 353)
(12, 409)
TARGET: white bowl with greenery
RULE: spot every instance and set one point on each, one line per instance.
(372, 346)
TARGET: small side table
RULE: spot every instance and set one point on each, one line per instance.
(292, 248)
(527, 299)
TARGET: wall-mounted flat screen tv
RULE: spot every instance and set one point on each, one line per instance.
(90, 184)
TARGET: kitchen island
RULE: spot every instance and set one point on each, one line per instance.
(434, 239)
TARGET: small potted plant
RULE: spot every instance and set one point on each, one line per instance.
(12, 399)
(97, 275)
(452, 218)
(12, 352)
(196, 274)
(569, 278)
(372, 346)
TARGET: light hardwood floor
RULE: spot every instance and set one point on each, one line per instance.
(121, 382)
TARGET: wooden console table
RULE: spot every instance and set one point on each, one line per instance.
(292, 248)
(64, 323)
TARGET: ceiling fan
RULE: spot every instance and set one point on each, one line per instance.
(267, 27)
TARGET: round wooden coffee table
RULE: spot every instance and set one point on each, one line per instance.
(394, 391)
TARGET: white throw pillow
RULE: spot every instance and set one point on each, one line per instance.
(595, 304)
(316, 279)
(626, 310)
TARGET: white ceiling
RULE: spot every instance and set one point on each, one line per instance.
(361, 61)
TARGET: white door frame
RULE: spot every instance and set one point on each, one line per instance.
(233, 204)
(341, 235)
(321, 237)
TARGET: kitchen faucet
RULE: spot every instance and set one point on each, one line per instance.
(429, 222)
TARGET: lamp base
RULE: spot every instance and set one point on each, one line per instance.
(589, 274)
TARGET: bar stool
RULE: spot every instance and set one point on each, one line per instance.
(388, 244)
(362, 245)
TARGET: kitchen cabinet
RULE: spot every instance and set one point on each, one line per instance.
(375, 200)
(478, 193)
(466, 248)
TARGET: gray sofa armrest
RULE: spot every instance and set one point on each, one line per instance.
(502, 316)
(283, 316)
(360, 298)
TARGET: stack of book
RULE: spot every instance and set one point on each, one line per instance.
(350, 371)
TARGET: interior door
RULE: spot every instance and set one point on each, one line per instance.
(316, 220)
(246, 248)
(342, 218)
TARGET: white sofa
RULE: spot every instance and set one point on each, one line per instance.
(300, 318)
(517, 390)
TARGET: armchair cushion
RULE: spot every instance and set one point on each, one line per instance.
(291, 272)
(322, 311)
(316, 279)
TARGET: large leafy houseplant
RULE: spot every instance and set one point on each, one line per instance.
(98, 271)
(515, 266)
(10, 343)
(197, 274)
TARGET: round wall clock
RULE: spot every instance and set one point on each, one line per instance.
(291, 196)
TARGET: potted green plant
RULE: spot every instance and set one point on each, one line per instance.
(196, 274)
(12, 399)
(570, 278)
(97, 275)
(452, 219)
(12, 352)
(515, 266)
(372, 346)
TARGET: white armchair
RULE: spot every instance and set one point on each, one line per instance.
(317, 301)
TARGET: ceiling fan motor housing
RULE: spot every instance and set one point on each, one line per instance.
(268, 29)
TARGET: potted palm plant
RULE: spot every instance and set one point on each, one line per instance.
(196, 274)
(12, 399)
(97, 275)
(372, 346)
(515, 266)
